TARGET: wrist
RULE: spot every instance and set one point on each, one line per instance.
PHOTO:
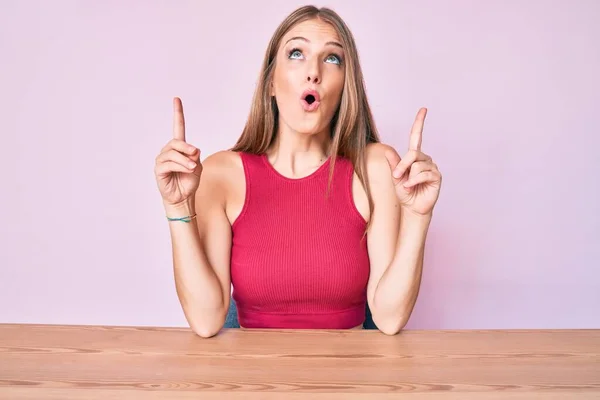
(413, 217)
(179, 210)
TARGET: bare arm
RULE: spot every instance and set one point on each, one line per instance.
(200, 245)
(384, 232)
(404, 195)
(396, 245)
(201, 252)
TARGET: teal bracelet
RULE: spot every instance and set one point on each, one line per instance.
(183, 219)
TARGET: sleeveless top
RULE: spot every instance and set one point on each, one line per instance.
(299, 259)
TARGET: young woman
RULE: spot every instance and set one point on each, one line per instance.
(309, 217)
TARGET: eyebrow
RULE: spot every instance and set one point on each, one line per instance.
(308, 41)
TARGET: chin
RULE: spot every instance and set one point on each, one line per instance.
(304, 123)
(310, 126)
(308, 130)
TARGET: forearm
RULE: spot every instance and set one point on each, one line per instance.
(398, 288)
(197, 285)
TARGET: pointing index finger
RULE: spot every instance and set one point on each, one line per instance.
(178, 120)
(416, 133)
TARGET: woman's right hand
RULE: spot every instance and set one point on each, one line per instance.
(178, 166)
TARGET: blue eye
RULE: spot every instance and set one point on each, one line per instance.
(294, 53)
(336, 59)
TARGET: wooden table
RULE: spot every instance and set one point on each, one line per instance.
(93, 362)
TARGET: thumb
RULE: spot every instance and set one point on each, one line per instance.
(196, 155)
(394, 161)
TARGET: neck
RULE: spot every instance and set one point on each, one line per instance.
(296, 153)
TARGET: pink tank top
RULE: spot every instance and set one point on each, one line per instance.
(299, 259)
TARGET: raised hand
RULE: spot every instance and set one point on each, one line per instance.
(178, 166)
(416, 177)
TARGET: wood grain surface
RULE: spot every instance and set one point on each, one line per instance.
(102, 362)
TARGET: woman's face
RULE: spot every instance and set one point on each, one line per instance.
(309, 77)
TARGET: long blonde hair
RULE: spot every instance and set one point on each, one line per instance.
(352, 125)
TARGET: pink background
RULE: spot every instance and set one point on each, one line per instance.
(513, 92)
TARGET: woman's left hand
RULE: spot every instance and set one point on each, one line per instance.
(416, 177)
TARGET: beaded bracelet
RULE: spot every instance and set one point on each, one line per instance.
(183, 219)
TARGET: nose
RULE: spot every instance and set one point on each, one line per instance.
(314, 78)
(313, 73)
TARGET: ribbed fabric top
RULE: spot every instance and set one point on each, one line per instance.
(299, 259)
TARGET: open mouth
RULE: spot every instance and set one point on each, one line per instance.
(309, 99)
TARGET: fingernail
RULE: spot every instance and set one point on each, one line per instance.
(396, 173)
(192, 165)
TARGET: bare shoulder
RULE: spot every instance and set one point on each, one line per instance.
(222, 162)
(378, 149)
(378, 166)
(225, 172)
(221, 167)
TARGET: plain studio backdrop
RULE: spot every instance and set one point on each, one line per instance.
(512, 89)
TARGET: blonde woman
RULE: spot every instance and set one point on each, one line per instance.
(309, 217)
